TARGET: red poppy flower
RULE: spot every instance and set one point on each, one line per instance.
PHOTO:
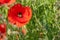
(3, 37)
(11, 2)
(2, 31)
(2, 28)
(7, 2)
(4, 1)
(19, 15)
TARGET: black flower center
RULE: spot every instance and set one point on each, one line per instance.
(20, 15)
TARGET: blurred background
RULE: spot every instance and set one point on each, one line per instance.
(44, 24)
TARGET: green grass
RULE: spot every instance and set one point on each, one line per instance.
(45, 20)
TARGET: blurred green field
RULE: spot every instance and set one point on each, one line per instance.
(45, 22)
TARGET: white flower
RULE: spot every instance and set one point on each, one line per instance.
(9, 32)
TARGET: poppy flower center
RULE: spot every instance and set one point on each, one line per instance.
(20, 15)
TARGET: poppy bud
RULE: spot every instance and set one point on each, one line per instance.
(24, 31)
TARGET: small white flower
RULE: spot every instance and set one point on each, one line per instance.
(9, 31)
(15, 32)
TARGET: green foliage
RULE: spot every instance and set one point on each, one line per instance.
(44, 20)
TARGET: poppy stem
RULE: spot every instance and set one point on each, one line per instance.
(20, 35)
